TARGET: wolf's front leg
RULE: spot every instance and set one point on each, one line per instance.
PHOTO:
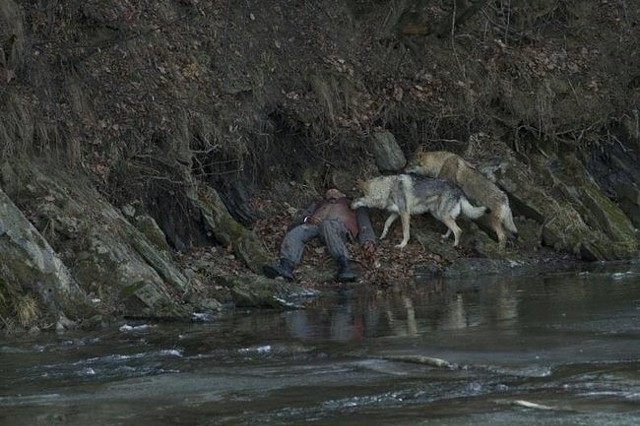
(387, 224)
(405, 230)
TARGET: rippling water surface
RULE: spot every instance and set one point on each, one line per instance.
(560, 348)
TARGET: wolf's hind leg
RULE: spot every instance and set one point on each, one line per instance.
(405, 216)
(496, 224)
(387, 224)
(453, 227)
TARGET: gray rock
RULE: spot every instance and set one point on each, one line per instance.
(105, 254)
(29, 265)
(388, 154)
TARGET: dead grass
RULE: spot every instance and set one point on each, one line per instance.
(26, 310)
(15, 306)
(17, 128)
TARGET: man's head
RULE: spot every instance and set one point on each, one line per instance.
(333, 194)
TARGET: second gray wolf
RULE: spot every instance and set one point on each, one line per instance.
(404, 195)
(476, 186)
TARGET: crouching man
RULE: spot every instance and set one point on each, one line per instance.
(335, 223)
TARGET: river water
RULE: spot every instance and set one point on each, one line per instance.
(547, 348)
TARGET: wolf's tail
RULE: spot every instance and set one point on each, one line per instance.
(507, 219)
(471, 211)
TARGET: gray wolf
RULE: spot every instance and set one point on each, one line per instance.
(476, 186)
(404, 195)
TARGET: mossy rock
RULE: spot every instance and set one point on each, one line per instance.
(576, 217)
(225, 229)
(252, 291)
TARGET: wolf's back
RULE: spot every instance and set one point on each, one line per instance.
(424, 186)
(429, 163)
(477, 186)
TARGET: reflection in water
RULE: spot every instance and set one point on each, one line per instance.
(506, 304)
(561, 348)
(456, 317)
(408, 312)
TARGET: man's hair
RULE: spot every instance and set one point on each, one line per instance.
(333, 193)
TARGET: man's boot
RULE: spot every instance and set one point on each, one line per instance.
(345, 272)
(282, 269)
